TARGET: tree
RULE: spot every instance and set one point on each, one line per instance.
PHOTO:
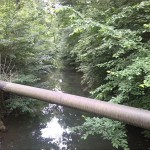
(26, 38)
(111, 48)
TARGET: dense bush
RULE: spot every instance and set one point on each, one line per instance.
(111, 48)
(26, 39)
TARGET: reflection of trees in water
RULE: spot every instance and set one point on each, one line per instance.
(27, 135)
(68, 118)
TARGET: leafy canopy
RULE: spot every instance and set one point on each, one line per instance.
(111, 47)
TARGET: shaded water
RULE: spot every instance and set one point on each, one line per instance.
(50, 130)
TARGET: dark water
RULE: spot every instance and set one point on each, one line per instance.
(50, 130)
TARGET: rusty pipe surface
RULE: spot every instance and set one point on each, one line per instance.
(130, 115)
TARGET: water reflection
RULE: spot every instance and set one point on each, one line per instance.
(55, 132)
(52, 108)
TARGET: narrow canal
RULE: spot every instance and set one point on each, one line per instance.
(50, 130)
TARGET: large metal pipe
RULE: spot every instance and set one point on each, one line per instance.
(134, 116)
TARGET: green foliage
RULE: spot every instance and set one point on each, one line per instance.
(27, 40)
(111, 47)
(146, 133)
(26, 79)
(25, 32)
(22, 105)
(95, 125)
(114, 53)
(108, 41)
